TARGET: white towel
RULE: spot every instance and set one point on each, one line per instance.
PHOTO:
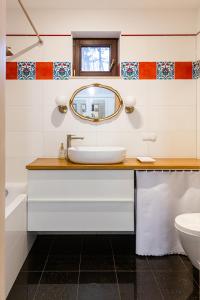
(161, 196)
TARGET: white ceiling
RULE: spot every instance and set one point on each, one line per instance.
(107, 4)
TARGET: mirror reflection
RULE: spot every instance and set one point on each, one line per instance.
(96, 102)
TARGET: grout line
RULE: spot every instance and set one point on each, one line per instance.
(155, 279)
(189, 271)
(79, 272)
(182, 261)
(43, 268)
(115, 270)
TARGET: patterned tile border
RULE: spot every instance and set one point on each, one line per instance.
(165, 70)
(196, 69)
(130, 70)
(26, 70)
(38, 70)
(61, 70)
(162, 70)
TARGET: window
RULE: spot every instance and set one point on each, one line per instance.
(95, 57)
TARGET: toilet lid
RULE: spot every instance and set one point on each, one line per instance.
(188, 223)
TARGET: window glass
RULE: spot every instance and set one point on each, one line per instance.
(95, 59)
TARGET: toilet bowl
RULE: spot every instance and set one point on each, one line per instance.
(188, 227)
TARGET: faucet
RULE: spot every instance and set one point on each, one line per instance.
(71, 137)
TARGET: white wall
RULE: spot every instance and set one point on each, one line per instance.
(126, 20)
(198, 88)
(2, 144)
(168, 108)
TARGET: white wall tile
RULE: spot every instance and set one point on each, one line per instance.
(22, 93)
(157, 48)
(130, 140)
(52, 141)
(126, 122)
(16, 168)
(23, 144)
(168, 108)
(55, 88)
(198, 118)
(55, 121)
(198, 41)
(22, 45)
(24, 118)
(172, 118)
(57, 49)
(198, 144)
(173, 144)
(171, 92)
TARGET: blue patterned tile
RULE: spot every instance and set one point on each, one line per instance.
(196, 69)
(26, 70)
(165, 70)
(61, 70)
(130, 70)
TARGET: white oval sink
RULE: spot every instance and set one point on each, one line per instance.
(96, 155)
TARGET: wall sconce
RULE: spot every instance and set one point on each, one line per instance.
(61, 102)
(129, 103)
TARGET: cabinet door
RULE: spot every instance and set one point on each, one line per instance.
(91, 200)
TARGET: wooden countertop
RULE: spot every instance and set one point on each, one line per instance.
(128, 164)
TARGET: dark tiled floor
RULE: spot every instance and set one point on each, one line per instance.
(101, 267)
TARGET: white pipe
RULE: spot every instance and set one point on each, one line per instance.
(21, 52)
(30, 21)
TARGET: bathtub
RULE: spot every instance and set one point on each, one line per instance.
(18, 241)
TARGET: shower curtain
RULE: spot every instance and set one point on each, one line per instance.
(161, 196)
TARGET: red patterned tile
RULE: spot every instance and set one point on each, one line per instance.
(11, 70)
(147, 70)
(44, 70)
(183, 70)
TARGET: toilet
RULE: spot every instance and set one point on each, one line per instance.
(188, 227)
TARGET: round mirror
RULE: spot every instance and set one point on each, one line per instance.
(96, 102)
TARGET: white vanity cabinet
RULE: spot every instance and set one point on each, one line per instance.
(81, 200)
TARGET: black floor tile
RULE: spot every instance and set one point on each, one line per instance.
(68, 237)
(59, 278)
(196, 276)
(177, 285)
(25, 286)
(123, 244)
(58, 286)
(191, 269)
(34, 262)
(186, 262)
(41, 245)
(24, 292)
(98, 286)
(150, 278)
(97, 262)
(95, 244)
(131, 263)
(63, 263)
(169, 263)
(25, 278)
(66, 245)
(138, 285)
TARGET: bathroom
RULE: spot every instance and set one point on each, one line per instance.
(100, 161)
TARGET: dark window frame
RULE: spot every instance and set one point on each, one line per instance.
(91, 42)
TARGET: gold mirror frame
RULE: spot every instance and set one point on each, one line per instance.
(100, 86)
